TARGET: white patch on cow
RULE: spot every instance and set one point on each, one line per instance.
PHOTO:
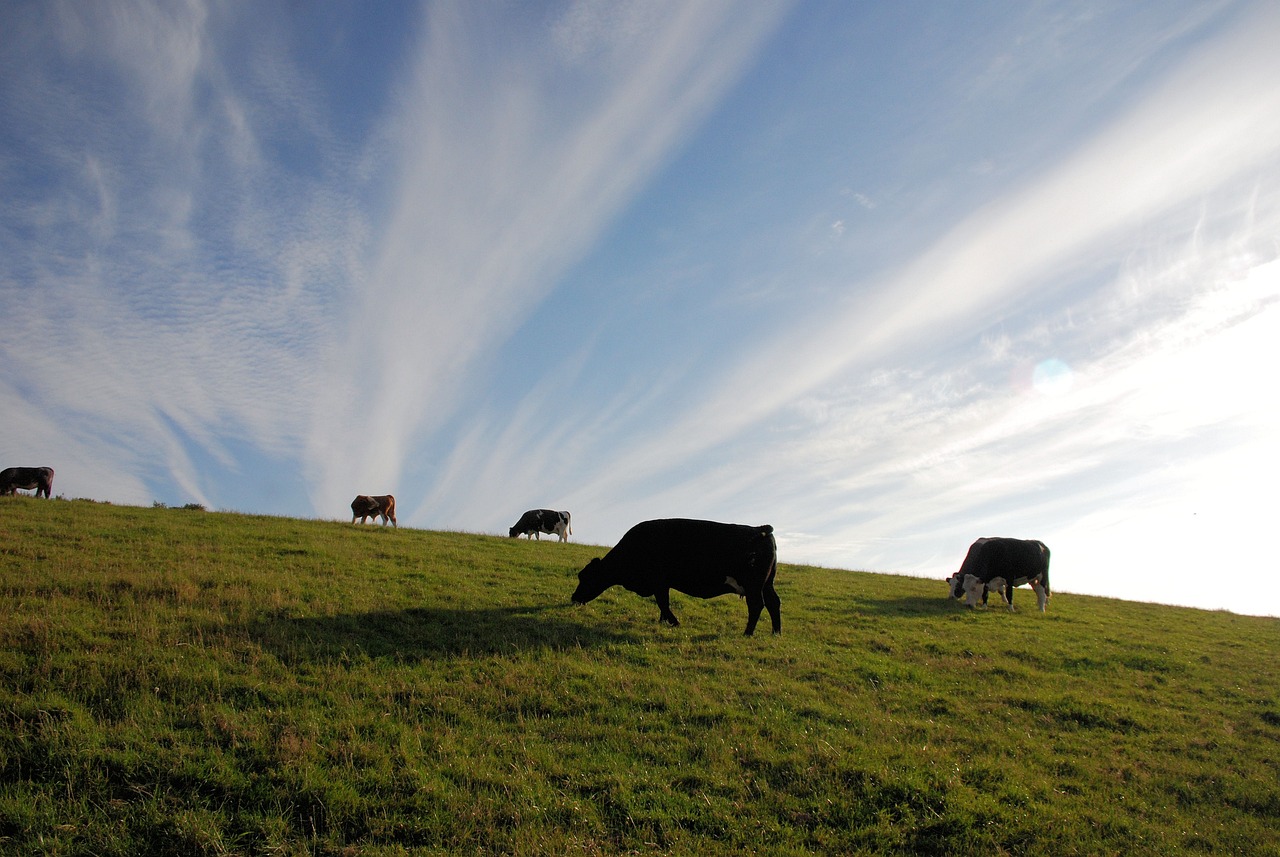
(735, 586)
(996, 585)
(972, 590)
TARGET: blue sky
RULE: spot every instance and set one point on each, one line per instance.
(889, 277)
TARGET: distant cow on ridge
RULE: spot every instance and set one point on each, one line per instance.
(365, 506)
(1002, 563)
(537, 521)
(699, 558)
(26, 478)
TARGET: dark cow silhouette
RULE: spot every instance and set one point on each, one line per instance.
(1002, 564)
(699, 558)
(26, 478)
(365, 506)
(537, 521)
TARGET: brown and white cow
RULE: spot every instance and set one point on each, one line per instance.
(365, 506)
(26, 478)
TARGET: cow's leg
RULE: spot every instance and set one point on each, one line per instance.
(774, 604)
(663, 597)
(755, 603)
(1008, 593)
(1042, 598)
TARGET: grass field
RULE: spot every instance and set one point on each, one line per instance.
(174, 681)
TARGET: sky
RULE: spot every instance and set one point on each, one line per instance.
(887, 276)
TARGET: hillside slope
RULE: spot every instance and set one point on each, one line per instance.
(181, 682)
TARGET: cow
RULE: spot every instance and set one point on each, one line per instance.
(26, 478)
(699, 558)
(1002, 564)
(365, 506)
(537, 521)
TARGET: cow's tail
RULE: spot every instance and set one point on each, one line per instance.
(1044, 578)
(766, 532)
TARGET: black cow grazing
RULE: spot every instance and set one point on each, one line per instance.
(699, 558)
(537, 521)
(26, 478)
(1002, 564)
(365, 506)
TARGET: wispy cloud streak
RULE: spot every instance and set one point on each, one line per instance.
(513, 150)
(1215, 120)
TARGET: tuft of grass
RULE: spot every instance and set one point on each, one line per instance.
(230, 684)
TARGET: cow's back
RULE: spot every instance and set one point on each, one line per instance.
(683, 544)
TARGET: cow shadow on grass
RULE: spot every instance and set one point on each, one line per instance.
(427, 633)
(907, 605)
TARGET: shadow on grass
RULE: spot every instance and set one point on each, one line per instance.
(427, 633)
(912, 605)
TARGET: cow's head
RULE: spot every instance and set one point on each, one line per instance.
(955, 583)
(511, 533)
(592, 580)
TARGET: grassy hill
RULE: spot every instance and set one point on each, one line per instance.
(180, 682)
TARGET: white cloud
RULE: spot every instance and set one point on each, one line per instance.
(148, 241)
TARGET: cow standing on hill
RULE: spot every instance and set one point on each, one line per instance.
(364, 507)
(26, 478)
(699, 558)
(1012, 562)
(537, 521)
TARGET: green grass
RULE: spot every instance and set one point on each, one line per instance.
(180, 682)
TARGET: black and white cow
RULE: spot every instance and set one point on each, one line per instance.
(366, 506)
(1002, 564)
(699, 558)
(537, 521)
(26, 478)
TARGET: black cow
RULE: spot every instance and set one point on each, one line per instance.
(537, 521)
(1003, 564)
(26, 478)
(699, 558)
(365, 506)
